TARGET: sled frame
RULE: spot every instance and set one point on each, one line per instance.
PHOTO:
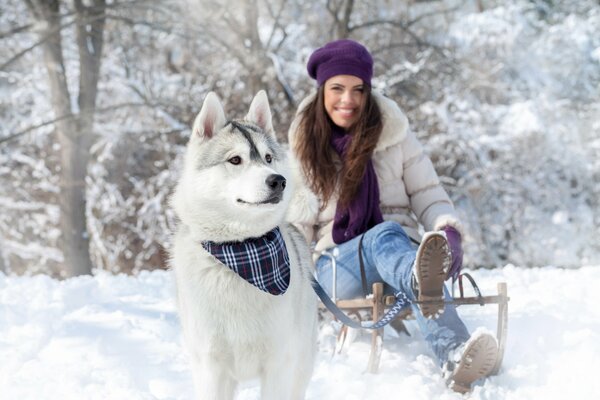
(377, 303)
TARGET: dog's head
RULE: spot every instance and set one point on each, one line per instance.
(235, 179)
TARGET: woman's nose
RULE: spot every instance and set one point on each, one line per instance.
(346, 97)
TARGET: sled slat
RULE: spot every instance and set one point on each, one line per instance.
(502, 325)
(377, 334)
(459, 301)
(390, 300)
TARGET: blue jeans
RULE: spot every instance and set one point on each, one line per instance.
(389, 256)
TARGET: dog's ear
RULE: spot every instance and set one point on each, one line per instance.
(210, 119)
(260, 112)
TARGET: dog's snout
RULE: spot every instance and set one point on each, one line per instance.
(276, 182)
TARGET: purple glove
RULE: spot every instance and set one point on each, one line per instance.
(454, 242)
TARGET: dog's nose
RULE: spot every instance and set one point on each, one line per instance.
(276, 183)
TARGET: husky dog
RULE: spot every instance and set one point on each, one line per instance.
(233, 189)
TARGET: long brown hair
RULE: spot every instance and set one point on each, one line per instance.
(318, 158)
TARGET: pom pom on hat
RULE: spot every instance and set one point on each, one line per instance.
(340, 57)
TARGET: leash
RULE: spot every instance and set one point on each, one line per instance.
(401, 303)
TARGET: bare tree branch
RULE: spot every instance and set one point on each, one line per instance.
(34, 127)
(432, 14)
(419, 42)
(43, 40)
(393, 46)
(36, 12)
(376, 22)
(276, 23)
(98, 111)
(173, 30)
(15, 31)
(289, 94)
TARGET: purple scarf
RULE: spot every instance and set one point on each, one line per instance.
(363, 212)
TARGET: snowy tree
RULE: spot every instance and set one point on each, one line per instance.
(504, 96)
(74, 124)
(514, 132)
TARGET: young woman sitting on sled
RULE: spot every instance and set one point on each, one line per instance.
(372, 185)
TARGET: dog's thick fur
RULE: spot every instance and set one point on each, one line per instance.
(234, 331)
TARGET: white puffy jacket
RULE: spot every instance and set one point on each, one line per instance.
(409, 188)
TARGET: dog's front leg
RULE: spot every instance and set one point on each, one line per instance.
(276, 381)
(211, 381)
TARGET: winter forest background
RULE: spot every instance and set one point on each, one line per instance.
(97, 98)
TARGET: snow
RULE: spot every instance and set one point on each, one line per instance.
(118, 337)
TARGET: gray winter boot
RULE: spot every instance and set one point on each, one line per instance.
(471, 361)
(431, 267)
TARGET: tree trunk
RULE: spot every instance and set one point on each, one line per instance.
(2, 265)
(75, 134)
(480, 6)
(75, 244)
(341, 24)
(344, 25)
(256, 49)
(90, 30)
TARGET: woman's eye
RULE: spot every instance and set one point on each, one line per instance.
(268, 158)
(237, 160)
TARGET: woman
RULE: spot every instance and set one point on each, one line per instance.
(369, 185)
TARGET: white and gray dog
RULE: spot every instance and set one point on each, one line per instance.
(244, 297)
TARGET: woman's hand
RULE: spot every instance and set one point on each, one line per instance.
(455, 243)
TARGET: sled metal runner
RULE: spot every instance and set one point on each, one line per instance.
(378, 301)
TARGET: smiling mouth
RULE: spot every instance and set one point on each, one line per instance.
(271, 200)
(345, 112)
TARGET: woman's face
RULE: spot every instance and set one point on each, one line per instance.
(344, 96)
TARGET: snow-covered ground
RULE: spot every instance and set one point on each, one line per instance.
(118, 337)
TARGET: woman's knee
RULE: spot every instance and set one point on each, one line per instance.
(388, 236)
(391, 228)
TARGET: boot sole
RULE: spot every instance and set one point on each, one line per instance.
(477, 362)
(433, 259)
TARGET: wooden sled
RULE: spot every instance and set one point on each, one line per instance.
(378, 302)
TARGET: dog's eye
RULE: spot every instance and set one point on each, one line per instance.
(268, 158)
(237, 160)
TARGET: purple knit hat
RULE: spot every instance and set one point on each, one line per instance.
(341, 57)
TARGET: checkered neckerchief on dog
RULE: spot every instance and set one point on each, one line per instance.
(262, 261)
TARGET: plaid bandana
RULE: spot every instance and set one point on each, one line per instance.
(261, 261)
